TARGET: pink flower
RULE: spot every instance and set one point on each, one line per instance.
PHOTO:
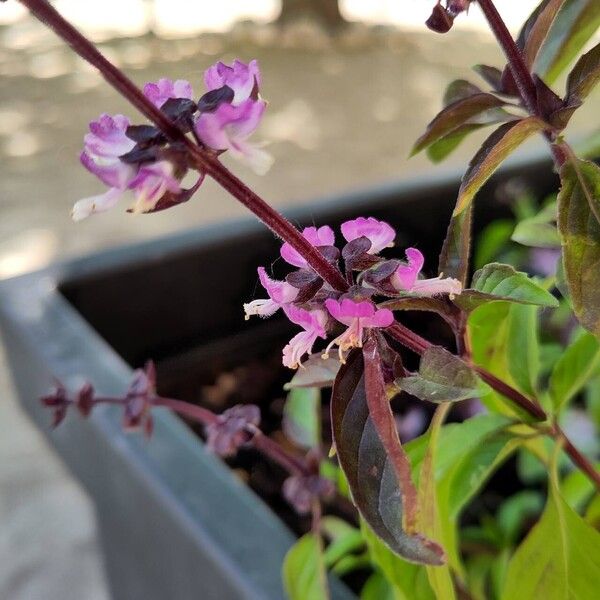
(313, 322)
(241, 78)
(406, 278)
(379, 233)
(356, 316)
(162, 90)
(151, 183)
(104, 144)
(229, 126)
(280, 293)
(323, 236)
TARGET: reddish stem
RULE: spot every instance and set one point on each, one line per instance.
(578, 459)
(516, 62)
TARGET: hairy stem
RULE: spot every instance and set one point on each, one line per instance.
(516, 62)
(207, 162)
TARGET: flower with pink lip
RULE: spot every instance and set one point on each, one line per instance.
(160, 91)
(323, 236)
(379, 233)
(104, 144)
(281, 293)
(149, 185)
(313, 322)
(356, 315)
(240, 77)
(406, 278)
(229, 126)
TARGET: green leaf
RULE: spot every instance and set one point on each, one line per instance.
(584, 76)
(454, 115)
(539, 29)
(317, 372)
(574, 25)
(443, 377)
(539, 231)
(302, 417)
(577, 489)
(579, 363)
(431, 525)
(488, 327)
(502, 282)
(494, 151)
(304, 573)
(491, 241)
(377, 588)
(579, 228)
(559, 559)
(515, 511)
(372, 458)
(344, 539)
(408, 580)
(465, 479)
(523, 348)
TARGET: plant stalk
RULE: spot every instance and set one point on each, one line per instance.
(516, 62)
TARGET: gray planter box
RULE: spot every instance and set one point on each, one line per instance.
(174, 522)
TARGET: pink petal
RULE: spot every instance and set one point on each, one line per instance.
(279, 291)
(406, 276)
(382, 318)
(380, 233)
(323, 236)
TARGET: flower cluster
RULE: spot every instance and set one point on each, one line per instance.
(319, 310)
(139, 159)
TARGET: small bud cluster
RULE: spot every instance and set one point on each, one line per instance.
(311, 303)
(140, 159)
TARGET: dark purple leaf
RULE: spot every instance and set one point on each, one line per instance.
(455, 115)
(301, 491)
(372, 457)
(496, 148)
(307, 282)
(492, 75)
(213, 99)
(169, 199)
(331, 253)
(356, 254)
(460, 89)
(145, 134)
(584, 76)
(456, 250)
(547, 101)
(141, 154)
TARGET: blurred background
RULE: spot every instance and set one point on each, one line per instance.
(349, 92)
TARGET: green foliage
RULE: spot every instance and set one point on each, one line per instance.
(575, 24)
(409, 580)
(304, 573)
(579, 227)
(302, 417)
(559, 559)
(539, 231)
(503, 282)
(442, 377)
(576, 367)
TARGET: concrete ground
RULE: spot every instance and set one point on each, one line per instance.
(341, 115)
